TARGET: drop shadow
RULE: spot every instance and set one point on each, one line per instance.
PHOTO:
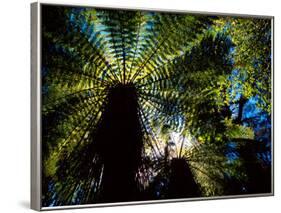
(25, 204)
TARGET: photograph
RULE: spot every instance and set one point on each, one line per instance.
(150, 105)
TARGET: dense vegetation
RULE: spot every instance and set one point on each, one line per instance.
(147, 105)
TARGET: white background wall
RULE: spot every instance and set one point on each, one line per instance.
(15, 105)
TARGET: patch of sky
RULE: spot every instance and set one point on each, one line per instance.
(231, 154)
(231, 157)
(235, 90)
(251, 110)
(71, 17)
(252, 115)
(84, 27)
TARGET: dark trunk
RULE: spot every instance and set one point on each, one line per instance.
(119, 144)
(258, 173)
(182, 183)
(242, 102)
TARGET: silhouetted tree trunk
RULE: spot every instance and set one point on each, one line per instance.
(119, 143)
(182, 183)
(242, 101)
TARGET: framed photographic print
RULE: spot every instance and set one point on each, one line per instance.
(133, 106)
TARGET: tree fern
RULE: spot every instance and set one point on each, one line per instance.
(116, 86)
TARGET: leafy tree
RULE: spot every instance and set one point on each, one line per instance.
(140, 105)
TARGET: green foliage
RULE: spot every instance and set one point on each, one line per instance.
(181, 66)
(252, 56)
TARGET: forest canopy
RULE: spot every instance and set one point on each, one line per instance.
(143, 105)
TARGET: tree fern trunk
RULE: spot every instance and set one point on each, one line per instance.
(119, 144)
(182, 183)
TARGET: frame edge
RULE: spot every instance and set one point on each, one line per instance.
(35, 157)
